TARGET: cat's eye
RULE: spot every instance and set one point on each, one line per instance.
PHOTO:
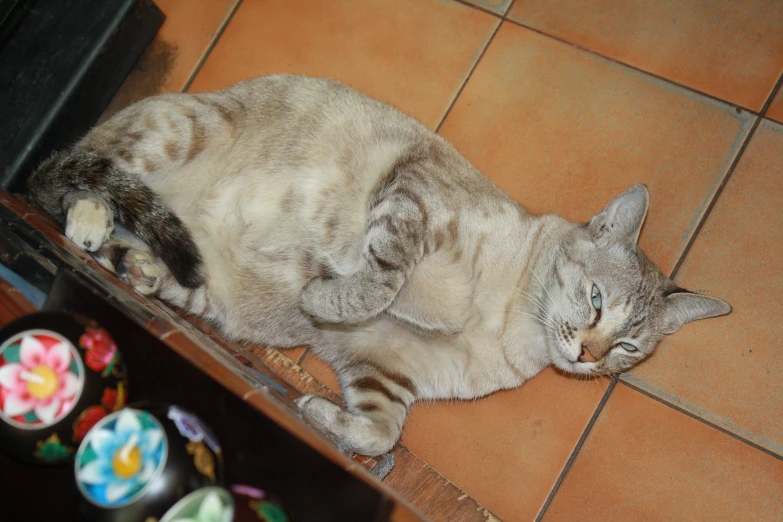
(629, 347)
(595, 297)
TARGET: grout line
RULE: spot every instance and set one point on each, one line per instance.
(629, 66)
(212, 45)
(478, 60)
(703, 420)
(577, 448)
(482, 9)
(301, 357)
(609, 59)
(726, 178)
(467, 78)
(504, 18)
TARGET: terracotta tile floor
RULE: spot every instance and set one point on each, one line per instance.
(564, 104)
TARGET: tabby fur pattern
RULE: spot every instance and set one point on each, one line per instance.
(295, 211)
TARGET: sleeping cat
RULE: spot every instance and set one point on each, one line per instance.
(295, 211)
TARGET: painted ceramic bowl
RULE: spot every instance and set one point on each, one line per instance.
(253, 504)
(59, 375)
(140, 461)
(211, 504)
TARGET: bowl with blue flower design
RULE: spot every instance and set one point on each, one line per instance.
(59, 375)
(138, 462)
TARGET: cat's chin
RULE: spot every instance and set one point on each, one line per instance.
(580, 369)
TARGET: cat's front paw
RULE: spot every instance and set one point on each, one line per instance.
(350, 431)
(89, 223)
(139, 270)
(314, 301)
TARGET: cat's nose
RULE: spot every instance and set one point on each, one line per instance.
(586, 355)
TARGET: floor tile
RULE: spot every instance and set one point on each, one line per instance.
(511, 446)
(322, 372)
(646, 461)
(562, 130)
(728, 49)
(729, 369)
(414, 54)
(172, 57)
(496, 6)
(775, 110)
(507, 450)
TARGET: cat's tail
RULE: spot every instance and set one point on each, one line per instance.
(133, 203)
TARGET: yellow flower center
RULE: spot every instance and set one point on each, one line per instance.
(41, 382)
(126, 462)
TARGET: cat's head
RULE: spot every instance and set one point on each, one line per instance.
(606, 304)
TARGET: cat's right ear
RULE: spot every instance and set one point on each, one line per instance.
(623, 217)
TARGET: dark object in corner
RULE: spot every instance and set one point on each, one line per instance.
(62, 61)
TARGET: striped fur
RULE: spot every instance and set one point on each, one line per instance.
(294, 211)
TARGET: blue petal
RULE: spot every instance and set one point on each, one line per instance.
(96, 472)
(127, 424)
(151, 440)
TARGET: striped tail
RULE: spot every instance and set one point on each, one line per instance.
(133, 203)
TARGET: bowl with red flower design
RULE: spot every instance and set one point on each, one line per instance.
(59, 375)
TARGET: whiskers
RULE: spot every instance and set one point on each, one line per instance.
(593, 378)
(539, 317)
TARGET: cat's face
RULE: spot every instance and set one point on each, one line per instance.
(606, 305)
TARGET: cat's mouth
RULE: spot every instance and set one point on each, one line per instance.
(581, 366)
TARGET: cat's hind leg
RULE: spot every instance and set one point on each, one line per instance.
(393, 243)
(377, 402)
(138, 267)
(133, 262)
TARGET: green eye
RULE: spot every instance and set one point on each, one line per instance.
(595, 297)
(629, 347)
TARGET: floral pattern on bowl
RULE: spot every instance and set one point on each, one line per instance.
(41, 378)
(120, 457)
(210, 504)
(100, 350)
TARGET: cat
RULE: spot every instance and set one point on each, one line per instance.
(295, 211)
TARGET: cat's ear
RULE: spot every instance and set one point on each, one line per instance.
(623, 217)
(684, 307)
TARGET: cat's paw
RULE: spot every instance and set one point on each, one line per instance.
(89, 223)
(139, 270)
(351, 432)
(325, 413)
(346, 300)
(319, 409)
(314, 301)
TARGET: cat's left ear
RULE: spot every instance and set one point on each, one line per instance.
(684, 307)
(623, 217)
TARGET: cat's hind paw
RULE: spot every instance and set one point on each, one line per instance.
(139, 270)
(89, 223)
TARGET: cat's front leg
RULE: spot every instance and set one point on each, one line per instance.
(393, 244)
(377, 402)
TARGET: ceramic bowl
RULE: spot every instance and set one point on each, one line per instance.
(210, 504)
(59, 375)
(140, 461)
